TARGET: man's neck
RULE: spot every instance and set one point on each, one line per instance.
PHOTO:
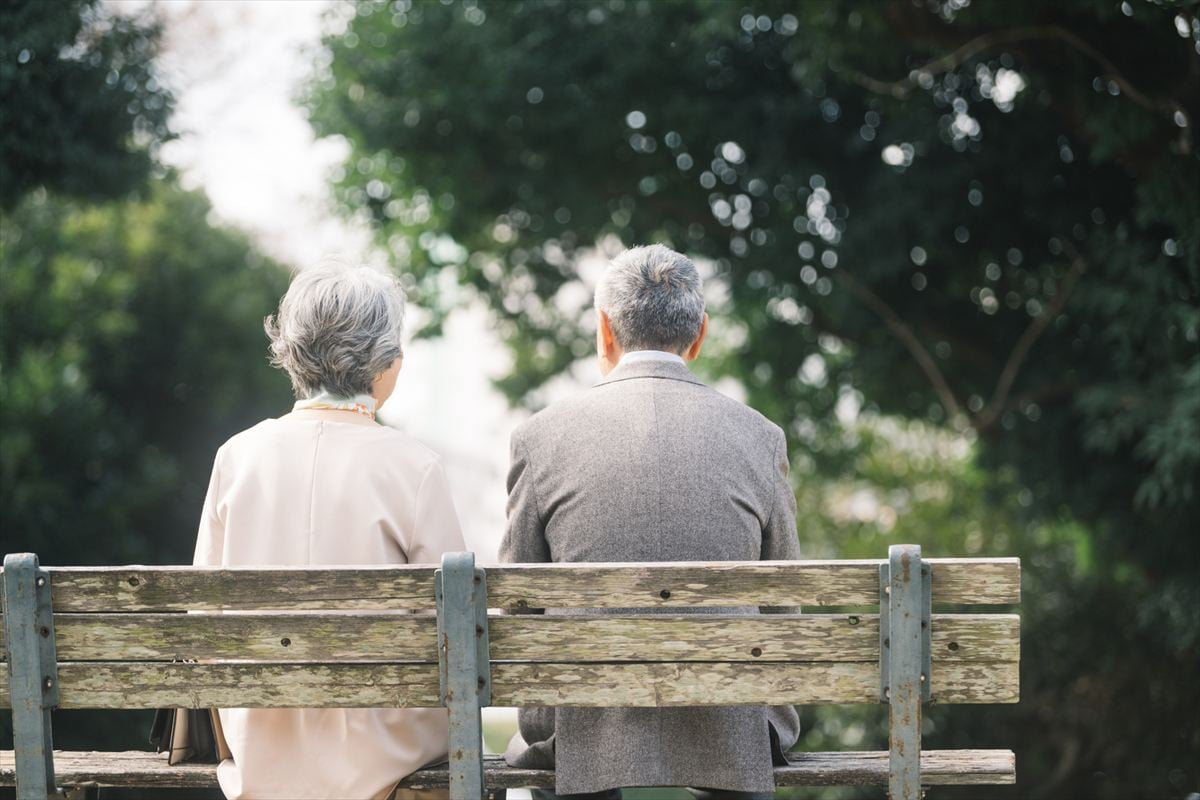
(634, 356)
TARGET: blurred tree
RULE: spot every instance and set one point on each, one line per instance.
(82, 108)
(131, 346)
(130, 331)
(982, 215)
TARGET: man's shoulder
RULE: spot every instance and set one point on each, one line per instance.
(554, 417)
(750, 423)
(735, 409)
(704, 402)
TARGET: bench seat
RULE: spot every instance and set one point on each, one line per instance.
(150, 770)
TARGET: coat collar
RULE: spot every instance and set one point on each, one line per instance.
(666, 370)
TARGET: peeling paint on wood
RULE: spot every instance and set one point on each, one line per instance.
(761, 583)
(405, 637)
(157, 685)
(599, 685)
(138, 588)
(97, 684)
(251, 637)
(809, 637)
(764, 583)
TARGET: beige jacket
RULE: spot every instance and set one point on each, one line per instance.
(322, 487)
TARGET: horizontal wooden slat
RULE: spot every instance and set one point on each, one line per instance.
(137, 588)
(100, 684)
(248, 637)
(404, 637)
(718, 684)
(155, 685)
(762, 583)
(767, 583)
(938, 768)
(769, 637)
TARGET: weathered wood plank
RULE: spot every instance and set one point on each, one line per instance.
(762, 583)
(382, 636)
(138, 588)
(141, 769)
(809, 637)
(715, 684)
(780, 583)
(938, 768)
(371, 636)
(97, 684)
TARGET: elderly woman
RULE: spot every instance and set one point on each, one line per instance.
(327, 484)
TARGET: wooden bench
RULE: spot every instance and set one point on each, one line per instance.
(113, 637)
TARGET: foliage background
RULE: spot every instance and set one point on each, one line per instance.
(952, 248)
(998, 246)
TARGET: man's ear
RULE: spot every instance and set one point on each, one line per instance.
(606, 342)
(694, 348)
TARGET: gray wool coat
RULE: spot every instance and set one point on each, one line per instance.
(650, 465)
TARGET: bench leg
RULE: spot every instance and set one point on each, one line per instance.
(466, 751)
(33, 691)
(906, 592)
(464, 668)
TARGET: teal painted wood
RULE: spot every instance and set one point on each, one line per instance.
(464, 667)
(885, 632)
(926, 632)
(32, 676)
(905, 592)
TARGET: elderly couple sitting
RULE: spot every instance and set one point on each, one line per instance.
(647, 465)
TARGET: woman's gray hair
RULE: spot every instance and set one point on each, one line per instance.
(337, 329)
(653, 298)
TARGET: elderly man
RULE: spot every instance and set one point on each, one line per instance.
(651, 465)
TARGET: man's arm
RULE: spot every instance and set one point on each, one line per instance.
(780, 542)
(524, 539)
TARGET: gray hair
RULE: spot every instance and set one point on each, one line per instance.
(337, 329)
(653, 298)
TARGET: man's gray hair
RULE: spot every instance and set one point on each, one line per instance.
(337, 329)
(653, 298)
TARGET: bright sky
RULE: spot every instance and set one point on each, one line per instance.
(236, 66)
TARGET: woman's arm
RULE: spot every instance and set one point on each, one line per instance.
(210, 541)
(436, 529)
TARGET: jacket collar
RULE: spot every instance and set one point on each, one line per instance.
(666, 370)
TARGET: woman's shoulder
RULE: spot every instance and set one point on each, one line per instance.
(249, 437)
(389, 442)
(378, 443)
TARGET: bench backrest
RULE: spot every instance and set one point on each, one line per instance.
(732, 659)
(297, 631)
(362, 637)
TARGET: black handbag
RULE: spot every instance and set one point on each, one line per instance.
(189, 735)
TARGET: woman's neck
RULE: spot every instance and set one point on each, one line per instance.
(329, 415)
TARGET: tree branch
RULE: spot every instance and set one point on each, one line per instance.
(902, 331)
(1047, 393)
(1020, 351)
(901, 89)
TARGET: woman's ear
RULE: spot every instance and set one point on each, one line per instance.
(385, 382)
